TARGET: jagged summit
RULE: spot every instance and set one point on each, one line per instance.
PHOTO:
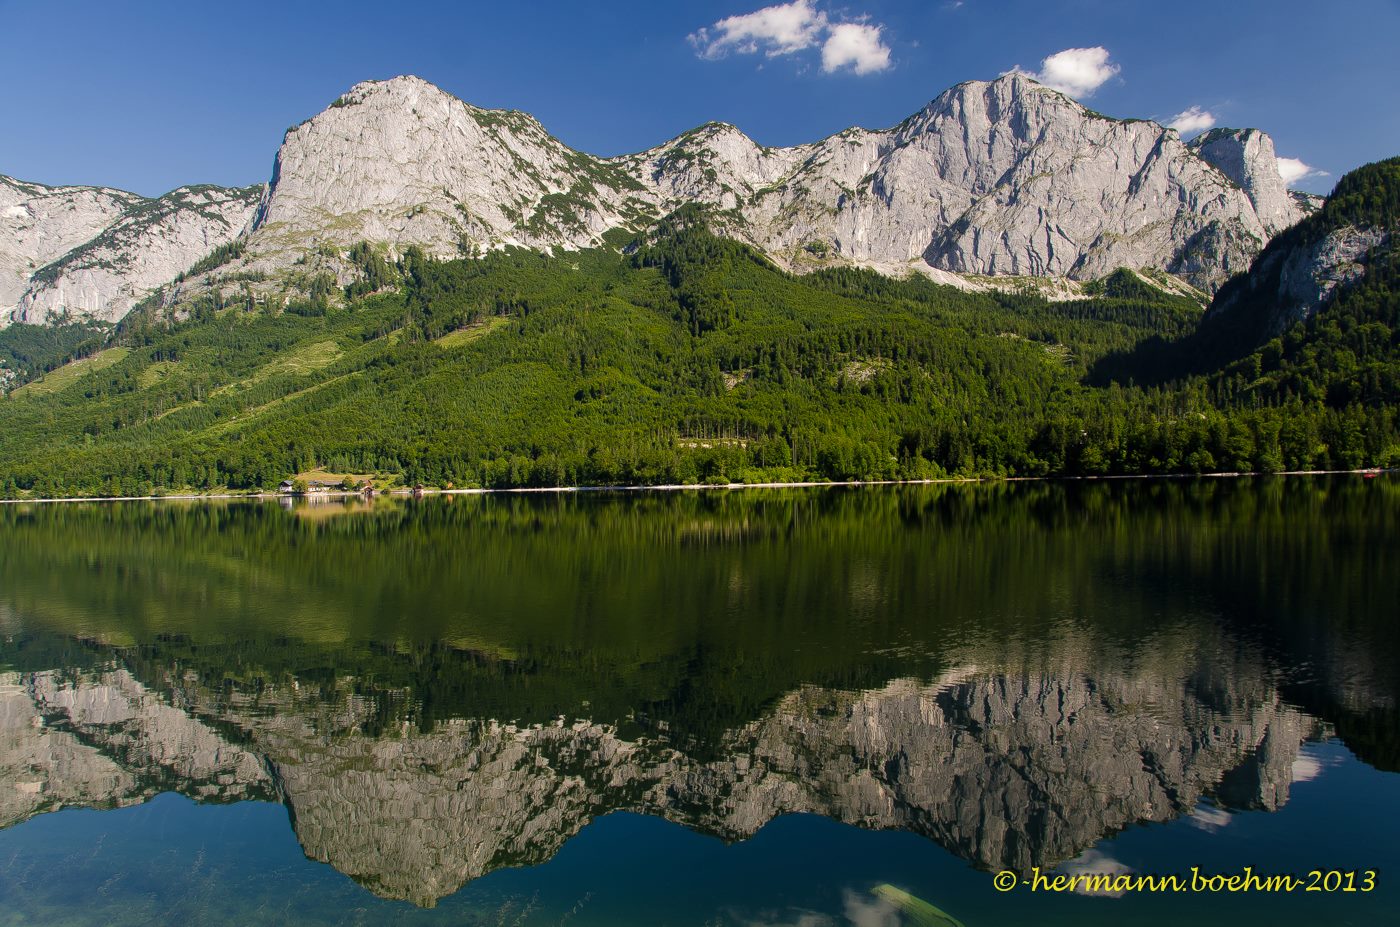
(1247, 157)
(403, 162)
(999, 177)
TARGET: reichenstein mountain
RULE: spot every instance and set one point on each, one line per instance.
(991, 179)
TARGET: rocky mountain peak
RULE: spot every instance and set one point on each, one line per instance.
(148, 244)
(95, 252)
(403, 162)
(1247, 157)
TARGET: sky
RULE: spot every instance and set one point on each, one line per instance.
(146, 96)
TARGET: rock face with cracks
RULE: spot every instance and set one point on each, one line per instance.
(149, 245)
(39, 224)
(1003, 177)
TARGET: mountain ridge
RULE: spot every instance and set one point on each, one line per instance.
(989, 179)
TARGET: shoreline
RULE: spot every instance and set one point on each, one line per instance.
(688, 487)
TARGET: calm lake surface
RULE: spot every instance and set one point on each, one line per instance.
(721, 708)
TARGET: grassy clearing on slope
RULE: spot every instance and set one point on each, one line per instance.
(469, 333)
(58, 380)
(322, 475)
(246, 415)
(156, 373)
(304, 360)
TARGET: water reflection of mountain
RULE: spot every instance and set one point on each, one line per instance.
(1004, 768)
(1013, 672)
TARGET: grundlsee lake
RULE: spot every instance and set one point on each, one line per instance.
(844, 706)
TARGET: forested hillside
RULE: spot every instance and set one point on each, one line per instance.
(684, 358)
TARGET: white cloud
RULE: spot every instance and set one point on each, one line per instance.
(857, 46)
(1074, 71)
(876, 912)
(787, 28)
(776, 30)
(1192, 121)
(1293, 170)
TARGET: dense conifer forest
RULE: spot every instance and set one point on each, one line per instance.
(680, 357)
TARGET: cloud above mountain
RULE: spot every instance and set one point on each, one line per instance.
(853, 44)
(1292, 170)
(1077, 72)
(857, 46)
(1192, 121)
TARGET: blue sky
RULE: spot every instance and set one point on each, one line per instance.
(149, 95)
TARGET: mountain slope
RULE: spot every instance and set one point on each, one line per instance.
(401, 162)
(1319, 312)
(149, 245)
(1314, 325)
(39, 224)
(1247, 158)
(688, 359)
(993, 178)
(1303, 270)
(90, 254)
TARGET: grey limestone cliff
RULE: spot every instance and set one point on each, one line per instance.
(105, 740)
(1297, 281)
(1247, 158)
(992, 178)
(152, 243)
(87, 253)
(1005, 177)
(39, 224)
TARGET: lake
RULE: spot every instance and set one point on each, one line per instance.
(843, 706)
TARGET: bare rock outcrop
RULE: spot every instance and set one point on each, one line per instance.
(1003, 177)
(1247, 157)
(104, 740)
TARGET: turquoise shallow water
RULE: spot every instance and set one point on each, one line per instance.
(730, 708)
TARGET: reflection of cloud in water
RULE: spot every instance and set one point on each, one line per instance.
(1308, 765)
(1211, 817)
(1095, 862)
(860, 910)
(867, 911)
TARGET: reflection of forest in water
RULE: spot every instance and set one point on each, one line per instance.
(442, 688)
